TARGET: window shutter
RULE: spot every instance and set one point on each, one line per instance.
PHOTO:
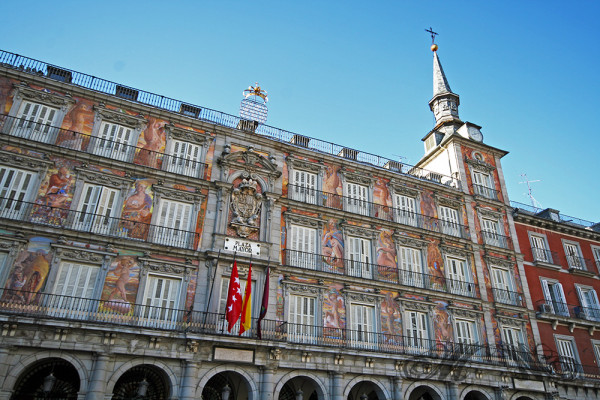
(76, 280)
(14, 185)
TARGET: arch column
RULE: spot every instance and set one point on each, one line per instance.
(188, 386)
(397, 387)
(452, 391)
(97, 388)
(266, 391)
(336, 386)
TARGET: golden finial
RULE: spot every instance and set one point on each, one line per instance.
(434, 46)
(255, 91)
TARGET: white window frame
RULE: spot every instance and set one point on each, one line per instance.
(514, 342)
(505, 286)
(119, 123)
(417, 331)
(568, 355)
(596, 253)
(483, 184)
(40, 124)
(573, 255)
(304, 186)
(302, 323)
(449, 218)
(540, 254)
(411, 263)
(360, 257)
(596, 346)
(554, 296)
(357, 198)
(178, 232)
(98, 221)
(362, 325)
(406, 209)
(460, 278)
(588, 298)
(490, 230)
(73, 290)
(159, 312)
(469, 344)
(14, 200)
(192, 161)
(302, 243)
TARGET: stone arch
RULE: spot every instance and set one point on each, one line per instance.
(252, 393)
(264, 184)
(17, 369)
(525, 396)
(381, 391)
(295, 374)
(48, 377)
(475, 388)
(172, 379)
(430, 385)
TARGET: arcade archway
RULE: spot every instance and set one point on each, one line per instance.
(142, 381)
(50, 378)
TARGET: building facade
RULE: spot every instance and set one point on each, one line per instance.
(124, 213)
(561, 255)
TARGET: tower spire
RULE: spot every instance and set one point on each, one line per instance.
(444, 103)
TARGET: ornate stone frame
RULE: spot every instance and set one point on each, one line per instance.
(22, 92)
(307, 221)
(174, 133)
(397, 188)
(292, 288)
(425, 307)
(296, 164)
(458, 253)
(181, 196)
(166, 269)
(361, 232)
(23, 162)
(253, 163)
(355, 297)
(414, 243)
(358, 178)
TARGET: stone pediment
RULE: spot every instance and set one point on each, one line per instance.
(249, 160)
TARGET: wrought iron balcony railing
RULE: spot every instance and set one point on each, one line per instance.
(580, 263)
(546, 307)
(495, 239)
(507, 297)
(486, 192)
(120, 312)
(387, 213)
(102, 147)
(35, 67)
(106, 225)
(544, 255)
(380, 273)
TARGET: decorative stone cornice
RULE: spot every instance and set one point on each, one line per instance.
(305, 220)
(479, 165)
(361, 179)
(448, 202)
(408, 241)
(362, 297)
(304, 288)
(304, 165)
(80, 255)
(466, 313)
(248, 160)
(178, 195)
(456, 251)
(404, 190)
(415, 305)
(500, 262)
(511, 321)
(22, 161)
(165, 267)
(104, 179)
(119, 117)
(186, 135)
(40, 96)
(359, 231)
(489, 213)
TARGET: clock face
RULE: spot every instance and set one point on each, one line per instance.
(475, 134)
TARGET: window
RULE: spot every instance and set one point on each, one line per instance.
(449, 221)
(303, 186)
(114, 141)
(411, 270)
(302, 319)
(568, 356)
(596, 252)
(97, 209)
(540, 249)
(356, 200)
(574, 259)
(184, 158)
(590, 308)
(503, 286)
(73, 290)
(302, 247)
(36, 122)
(173, 223)
(406, 210)
(555, 298)
(359, 263)
(416, 330)
(465, 336)
(490, 230)
(363, 328)
(459, 281)
(513, 342)
(15, 185)
(161, 300)
(482, 185)
(596, 350)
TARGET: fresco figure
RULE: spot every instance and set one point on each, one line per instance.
(333, 312)
(381, 196)
(76, 126)
(29, 273)
(386, 250)
(154, 141)
(391, 318)
(332, 187)
(59, 186)
(123, 270)
(137, 210)
(121, 285)
(6, 86)
(333, 246)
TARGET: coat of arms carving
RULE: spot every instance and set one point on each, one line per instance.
(245, 204)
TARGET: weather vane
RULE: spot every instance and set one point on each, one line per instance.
(434, 46)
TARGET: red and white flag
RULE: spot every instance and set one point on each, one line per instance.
(234, 299)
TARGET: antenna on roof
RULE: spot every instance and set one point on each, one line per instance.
(534, 202)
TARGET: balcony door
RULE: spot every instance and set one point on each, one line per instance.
(357, 199)
(14, 190)
(303, 245)
(539, 249)
(72, 294)
(359, 263)
(304, 187)
(449, 221)
(411, 270)
(97, 209)
(114, 141)
(173, 224)
(184, 159)
(161, 300)
(416, 332)
(302, 327)
(406, 209)
(555, 298)
(362, 334)
(36, 122)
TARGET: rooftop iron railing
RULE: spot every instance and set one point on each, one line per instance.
(106, 148)
(117, 311)
(380, 211)
(105, 225)
(36, 67)
(391, 274)
(562, 217)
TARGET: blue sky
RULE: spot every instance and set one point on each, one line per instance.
(358, 73)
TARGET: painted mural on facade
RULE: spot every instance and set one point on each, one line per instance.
(29, 272)
(332, 184)
(441, 321)
(387, 261)
(391, 317)
(77, 125)
(55, 194)
(137, 210)
(121, 285)
(6, 88)
(151, 144)
(334, 311)
(332, 246)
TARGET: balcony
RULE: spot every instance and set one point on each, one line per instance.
(379, 273)
(97, 312)
(550, 309)
(486, 192)
(104, 225)
(495, 239)
(578, 263)
(109, 149)
(36, 68)
(507, 297)
(544, 256)
(379, 211)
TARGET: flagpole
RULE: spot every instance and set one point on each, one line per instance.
(225, 311)
(212, 287)
(265, 299)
